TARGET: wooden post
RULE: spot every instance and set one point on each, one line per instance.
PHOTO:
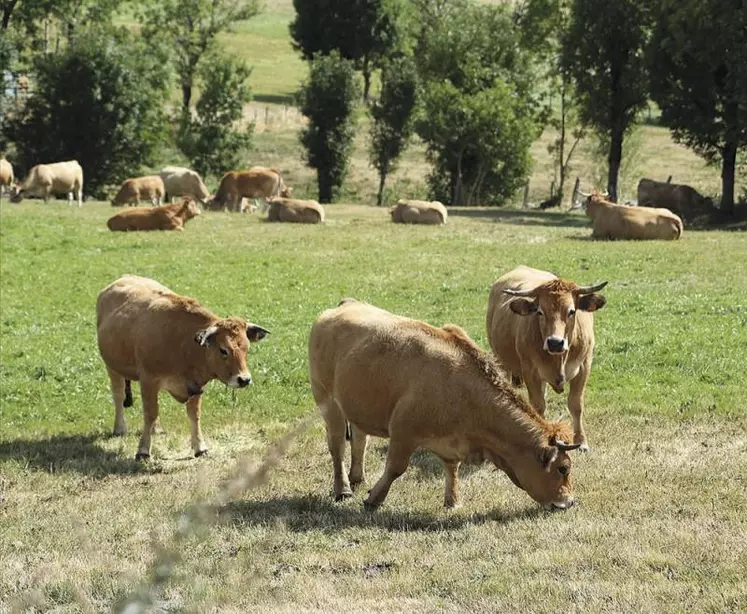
(267, 115)
(526, 195)
(576, 185)
(670, 179)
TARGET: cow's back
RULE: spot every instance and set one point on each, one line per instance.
(420, 212)
(6, 173)
(295, 211)
(263, 183)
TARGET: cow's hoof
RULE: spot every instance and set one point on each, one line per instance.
(142, 456)
(200, 453)
(355, 484)
(345, 494)
(119, 432)
(370, 507)
(584, 447)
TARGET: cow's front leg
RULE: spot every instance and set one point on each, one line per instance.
(536, 389)
(194, 408)
(397, 461)
(576, 405)
(451, 493)
(149, 394)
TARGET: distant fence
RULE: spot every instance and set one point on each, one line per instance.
(267, 118)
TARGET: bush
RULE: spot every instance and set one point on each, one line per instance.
(100, 101)
(328, 99)
(214, 140)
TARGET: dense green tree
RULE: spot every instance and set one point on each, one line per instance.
(698, 63)
(97, 101)
(328, 100)
(363, 31)
(190, 28)
(215, 140)
(393, 117)
(604, 54)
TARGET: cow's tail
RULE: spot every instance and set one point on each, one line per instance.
(128, 394)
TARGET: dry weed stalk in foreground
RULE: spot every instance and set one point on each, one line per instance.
(246, 475)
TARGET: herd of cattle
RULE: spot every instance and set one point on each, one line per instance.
(371, 372)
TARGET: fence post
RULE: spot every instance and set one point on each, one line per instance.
(670, 179)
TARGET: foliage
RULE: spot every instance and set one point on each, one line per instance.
(190, 28)
(213, 139)
(604, 54)
(363, 31)
(99, 102)
(698, 64)
(393, 117)
(328, 100)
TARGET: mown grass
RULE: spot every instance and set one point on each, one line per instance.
(661, 524)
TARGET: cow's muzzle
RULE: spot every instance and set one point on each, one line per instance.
(240, 381)
(556, 345)
(563, 504)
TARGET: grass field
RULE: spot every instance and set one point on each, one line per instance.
(661, 524)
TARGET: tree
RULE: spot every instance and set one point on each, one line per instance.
(393, 117)
(328, 100)
(214, 141)
(604, 54)
(698, 63)
(363, 31)
(99, 102)
(190, 27)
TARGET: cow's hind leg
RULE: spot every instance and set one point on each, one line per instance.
(358, 443)
(149, 394)
(120, 389)
(397, 461)
(194, 409)
(335, 422)
(451, 492)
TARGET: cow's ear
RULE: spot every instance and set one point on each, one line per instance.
(547, 456)
(256, 333)
(523, 306)
(203, 336)
(591, 302)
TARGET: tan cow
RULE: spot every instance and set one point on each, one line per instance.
(612, 221)
(541, 329)
(168, 217)
(432, 388)
(136, 189)
(46, 180)
(147, 333)
(6, 176)
(291, 210)
(419, 212)
(259, 183)
(681, 200)
(180, 181)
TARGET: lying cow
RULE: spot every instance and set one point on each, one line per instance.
(541, 329)
(682, 200)
(259, 183)
(46, 180)
(291, 210)
(612, 221)
(419, 212)
(168, 217)
(136, 189)
(432, 388)
(165, 341)
(6, 176)
(179, 181)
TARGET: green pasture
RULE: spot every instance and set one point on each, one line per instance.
(661, 524)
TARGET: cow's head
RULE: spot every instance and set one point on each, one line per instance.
(544, 471)
(16, 194)
(226, 343)
(286, 192)
(190, 209)
(555, 304)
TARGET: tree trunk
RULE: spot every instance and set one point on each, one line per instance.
(614, 160)
(325, 187)
(186, 96)
(7, 12)
(561, 144)
(728, 169)
(366, 79)
(382, 180)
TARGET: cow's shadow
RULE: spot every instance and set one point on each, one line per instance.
(313, 512)
(78, 453)
(524, 217)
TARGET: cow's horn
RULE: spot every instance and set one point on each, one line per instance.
(584, 194)
(566, 447)
(591, 289)
(527, 293)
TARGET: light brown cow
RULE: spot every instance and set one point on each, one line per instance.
(46, 180)
(419, 212)
(165, 341)
(136, 189)
(180, 181)
(681, 200)
(432, 388)
(168, 217)
(256, 184)
(541, 329)
(612, 221)
(292, 210)
(6, 176)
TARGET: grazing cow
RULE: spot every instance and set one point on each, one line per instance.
(168, 217)
(612, 221)
(136, 189)
(679, 199)
(432, 388)
(255, 183)
(178, 181)
(418, 212)
(291, 210)
(6, 176)
(541, 329)
(165, 341)
(47, 179)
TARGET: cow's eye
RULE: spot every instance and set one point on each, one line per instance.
(571, 313)
(563, 470)
(224, 352)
